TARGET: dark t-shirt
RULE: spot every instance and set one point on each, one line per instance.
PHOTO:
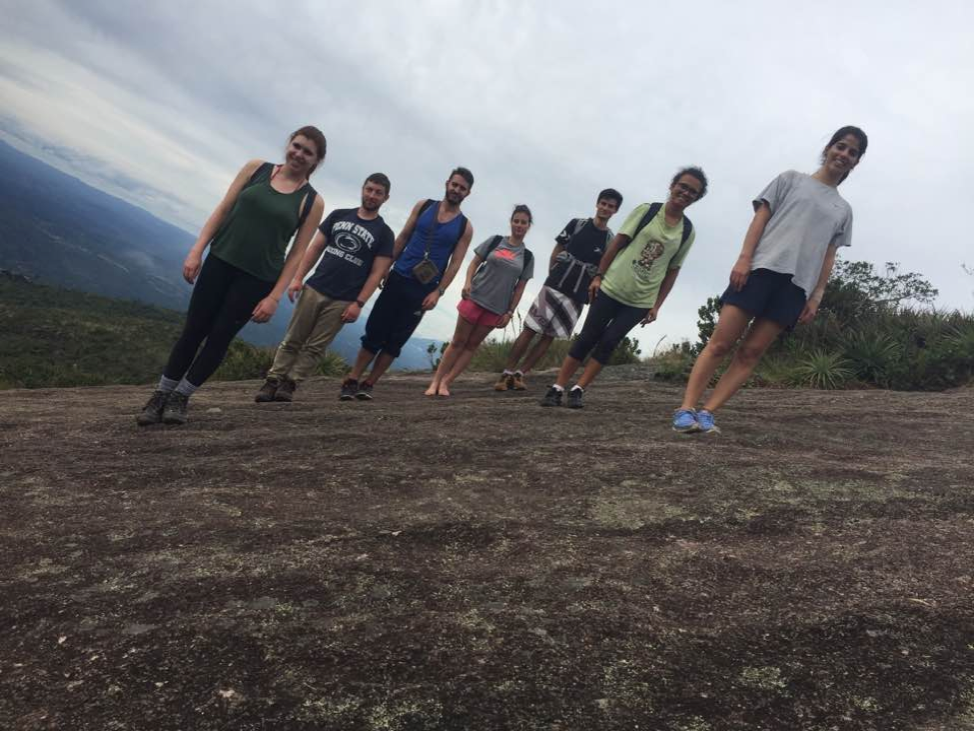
(587, 247)
(352, 243)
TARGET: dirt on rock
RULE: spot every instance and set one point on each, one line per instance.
(479, 562)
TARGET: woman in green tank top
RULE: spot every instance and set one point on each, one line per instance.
(247, 271)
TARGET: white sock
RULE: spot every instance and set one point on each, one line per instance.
(167, 385)
(186, 388)
(557, 387)
(576, 387)
(518, 373)
(507, 373)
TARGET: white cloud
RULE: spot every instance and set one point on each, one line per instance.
(546, 102)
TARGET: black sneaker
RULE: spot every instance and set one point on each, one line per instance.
(285, 391)
(267, 391)
(175, 411)
(349, 389)
(364, 392)
(575, 398)
(152, 411)
(552, 398)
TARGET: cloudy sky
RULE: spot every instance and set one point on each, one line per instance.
(547, 102)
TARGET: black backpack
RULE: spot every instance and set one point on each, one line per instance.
(651, 214)
(309, 199)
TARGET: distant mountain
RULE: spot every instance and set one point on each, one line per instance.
(58, 230)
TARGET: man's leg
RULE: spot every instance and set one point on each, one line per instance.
(326, 326)
(518, 349)
(405, 313)
(537, 353)
(300, 327)
(362, 361)
(380, 366)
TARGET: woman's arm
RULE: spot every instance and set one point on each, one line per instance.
(742, 267)
(471, 270)
(310, 258)
(619, 241)
(811, 307)
(515, 301)
(266, 308)
(664, 290)
(194, 259)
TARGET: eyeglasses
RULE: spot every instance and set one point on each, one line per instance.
(689, 190)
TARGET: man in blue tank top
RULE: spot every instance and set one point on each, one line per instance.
(427, 256)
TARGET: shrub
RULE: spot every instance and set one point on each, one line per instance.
(823, 370)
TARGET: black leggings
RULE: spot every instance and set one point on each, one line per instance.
(607, 323)
(223, 300)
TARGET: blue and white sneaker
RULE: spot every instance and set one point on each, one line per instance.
(685, 421)
(705, 422)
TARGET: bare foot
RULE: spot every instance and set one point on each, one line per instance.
(444, 390)
(431, 391)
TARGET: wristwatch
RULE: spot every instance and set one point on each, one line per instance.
(441, 291)
(360, 303)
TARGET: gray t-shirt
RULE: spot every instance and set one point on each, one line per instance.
(806, 218)
(493, 284)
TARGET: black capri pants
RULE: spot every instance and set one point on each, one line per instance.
(607, 323)
(223, 300)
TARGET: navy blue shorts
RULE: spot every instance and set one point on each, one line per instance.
(768, 294)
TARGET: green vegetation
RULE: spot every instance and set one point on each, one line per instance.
(55, 337)
(872, 329)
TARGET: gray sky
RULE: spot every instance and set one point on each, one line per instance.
(547, 103)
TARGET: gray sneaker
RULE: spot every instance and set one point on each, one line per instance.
(175, 411)
(552, 398)
(152, 411)
(575, 398)
(364, 392)
(285, 391)
(349, 389)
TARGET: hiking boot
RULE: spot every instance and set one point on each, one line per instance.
(575, 398)
(267, 391)
(552, 398)
(517, 382)
(152, 411)
(503, 383)
(175, 411)
(364, 392)
(705, 422)
(685, 421)
(285, 391)
(349, 389)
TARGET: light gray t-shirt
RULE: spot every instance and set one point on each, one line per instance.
(806, 218)
(493, 284)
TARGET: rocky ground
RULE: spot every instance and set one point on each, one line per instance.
(481, 563)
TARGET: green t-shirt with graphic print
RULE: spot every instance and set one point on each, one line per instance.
(635, 275)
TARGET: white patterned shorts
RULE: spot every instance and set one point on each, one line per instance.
(553, 313)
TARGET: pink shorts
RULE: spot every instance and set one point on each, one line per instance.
(477, 315)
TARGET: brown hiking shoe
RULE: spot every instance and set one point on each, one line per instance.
(267, 391)
(503, 383)
(285, 391)
(517, 381)
(152, 411)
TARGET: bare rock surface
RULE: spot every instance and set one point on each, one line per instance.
(479, 562)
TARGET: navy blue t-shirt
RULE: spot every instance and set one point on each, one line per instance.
(352, 243)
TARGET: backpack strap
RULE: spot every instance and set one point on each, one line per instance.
(425, 207)
(309, 201)
(528, 259)
(258, 174)
(654, 209)
(494, 243)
